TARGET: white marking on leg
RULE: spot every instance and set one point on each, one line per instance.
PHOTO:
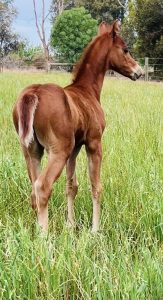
(96, 215)
(42, 211)
(70, 217)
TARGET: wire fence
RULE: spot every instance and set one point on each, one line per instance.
(152, 66)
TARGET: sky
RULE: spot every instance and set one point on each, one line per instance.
(24, 24)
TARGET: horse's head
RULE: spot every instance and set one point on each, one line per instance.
(119, 57)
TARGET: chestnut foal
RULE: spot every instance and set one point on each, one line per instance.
(61, 120)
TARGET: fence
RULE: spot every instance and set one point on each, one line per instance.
(153, 67)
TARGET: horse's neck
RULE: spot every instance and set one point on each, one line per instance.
(93, 71)
(92, 78)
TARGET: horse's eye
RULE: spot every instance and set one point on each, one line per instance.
(125, 50)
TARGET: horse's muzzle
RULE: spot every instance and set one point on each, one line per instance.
(137, 74)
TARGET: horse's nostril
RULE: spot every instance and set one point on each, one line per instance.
(137, 75)
(134, 76)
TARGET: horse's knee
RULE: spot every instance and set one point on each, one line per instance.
(71, 189)
(42, 193)
(96, 191)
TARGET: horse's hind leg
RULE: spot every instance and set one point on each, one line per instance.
(33, 155)
(94, 153)
(43, 184)
(71, 186)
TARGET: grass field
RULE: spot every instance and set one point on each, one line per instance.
(124, 260)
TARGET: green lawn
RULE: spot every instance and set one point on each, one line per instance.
(124, 260)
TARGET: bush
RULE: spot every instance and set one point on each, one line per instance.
(29, 54)
(71, 32)
(39, 61)
(13, 61)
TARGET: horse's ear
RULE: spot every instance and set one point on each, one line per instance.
(103, 28)
(116, 28)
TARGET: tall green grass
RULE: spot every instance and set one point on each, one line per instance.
(125, 259)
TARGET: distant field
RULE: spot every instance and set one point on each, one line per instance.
(124, 260)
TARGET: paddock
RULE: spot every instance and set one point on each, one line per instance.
(124, 260)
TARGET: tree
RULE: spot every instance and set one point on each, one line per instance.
(58, 6)
(101, 10)
(8, 39)
(149, 25)
(71, 32)
(28, 53)
(159, 47)
(41, 31)
(107, 10)
(128, 26)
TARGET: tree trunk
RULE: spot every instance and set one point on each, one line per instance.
(41, 32)
(46, 54)
(1, 65)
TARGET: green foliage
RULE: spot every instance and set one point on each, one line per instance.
(8, 40)
(71, 32)
(149, 26)
(159, 47)
(142, 22)
(27, 53)
(128, 27)
(143, 28)
(107, 10)
(58, 6)
(125, 259)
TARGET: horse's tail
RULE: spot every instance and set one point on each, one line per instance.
(26, 111)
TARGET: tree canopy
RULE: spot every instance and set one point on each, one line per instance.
(8, 39)
(74, 22)
(142, 21)
(107, 10)
(71, 32)
(58, 6)
(149, 26)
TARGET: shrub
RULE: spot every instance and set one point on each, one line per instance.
(71, 32)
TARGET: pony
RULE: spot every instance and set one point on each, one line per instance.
(62, 120)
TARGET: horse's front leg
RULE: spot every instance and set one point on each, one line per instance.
(94, 153)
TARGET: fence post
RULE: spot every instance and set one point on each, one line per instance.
(146, 68)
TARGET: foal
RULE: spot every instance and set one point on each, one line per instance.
(61, 120)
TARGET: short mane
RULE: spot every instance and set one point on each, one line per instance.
(78, 69)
